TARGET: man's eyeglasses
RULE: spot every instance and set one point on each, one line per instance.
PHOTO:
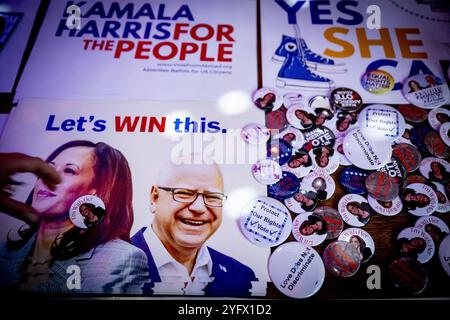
(211, 199)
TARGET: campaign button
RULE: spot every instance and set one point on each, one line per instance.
(344, 122)
(267, 99)
(334, 221)
(395, 170)
(255, 133)
(436, 146)
(381, 186)
(419, 199)
(353, 179)
(426, 91)
(435, 169)
(319, 137)
(412, 113)
(341, 259)
(435, 227)
(265, 222)
(365, 152)
(437, 117)
(323, 117)
(444, 132)
(320, 183)
(286, 187)
(296, 270)
(267, 171)
(361, 240)
(302, 201)
(324, 159)
(386, 208)
(87, 212)
(444, 254)
(279, 151)
(377, 81)
(443, 200)
(293, 136)
(276, 120)
(355, 210)
(408, 275)
(309, 229)
(345, 99)
(408, 155)
(415, 243)
(300, 117)
(382, 122)
(299, 164)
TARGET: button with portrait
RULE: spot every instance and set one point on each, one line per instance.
(299, 164)
(309, 228)
(302, 201)
(361, 240)
(435, 169)
(443, 204)
(386, 208)
(415, 243)
(426, 91)
(267, 99)
(334, 221)
(319, 137)
(437, 117)
(341, 259)
(355, 210)
(293, 136)
(324, 159)
(435, 227)
(419, 199)
(436, 146)
(300, 117)
(321, 183)
(87, 212)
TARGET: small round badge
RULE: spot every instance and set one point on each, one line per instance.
(406, 136)
(415, 243)
(87, 212)
(296, 270)
(353, 180)
(267, 99)
(419, 199)
(426, 91)
(267, 171)
(435, 227)
(364, 152)
(412, 113)
(323, 116)
(381, 186)
(361, 240)
(279, 150)
(276, 120)
(377, 81)
(382, 122)
(345, 99)
(435, 169)
(355, 210)
(300, 117)
(408, 155)
(293, 136)
(436, 146)
(302, 201)
(299, 164)
(341, 259)
(339, 147)
(344, 122)
(319, 137)
(444, 254)
(309, 228)
(324, 159)
(265, 222)
(286, 187)
(395, 170)
(443, 201)
(437, 117)
(334, 221)
(444, 132)
(408, 275)
(386, 208)
(255, 133)
(321, 183)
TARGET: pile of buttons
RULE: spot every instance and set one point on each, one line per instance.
(388, 160)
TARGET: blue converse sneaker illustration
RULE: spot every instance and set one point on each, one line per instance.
(295, 73)
(314, 61)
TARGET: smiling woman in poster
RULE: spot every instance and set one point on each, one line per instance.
(40, 258)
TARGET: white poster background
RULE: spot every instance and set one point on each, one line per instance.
(59, 67)
(146, 154)
(12, 51)
(434, 35)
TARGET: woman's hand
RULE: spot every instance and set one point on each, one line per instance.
(12, 163)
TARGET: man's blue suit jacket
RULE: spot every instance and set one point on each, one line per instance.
(231, 278)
